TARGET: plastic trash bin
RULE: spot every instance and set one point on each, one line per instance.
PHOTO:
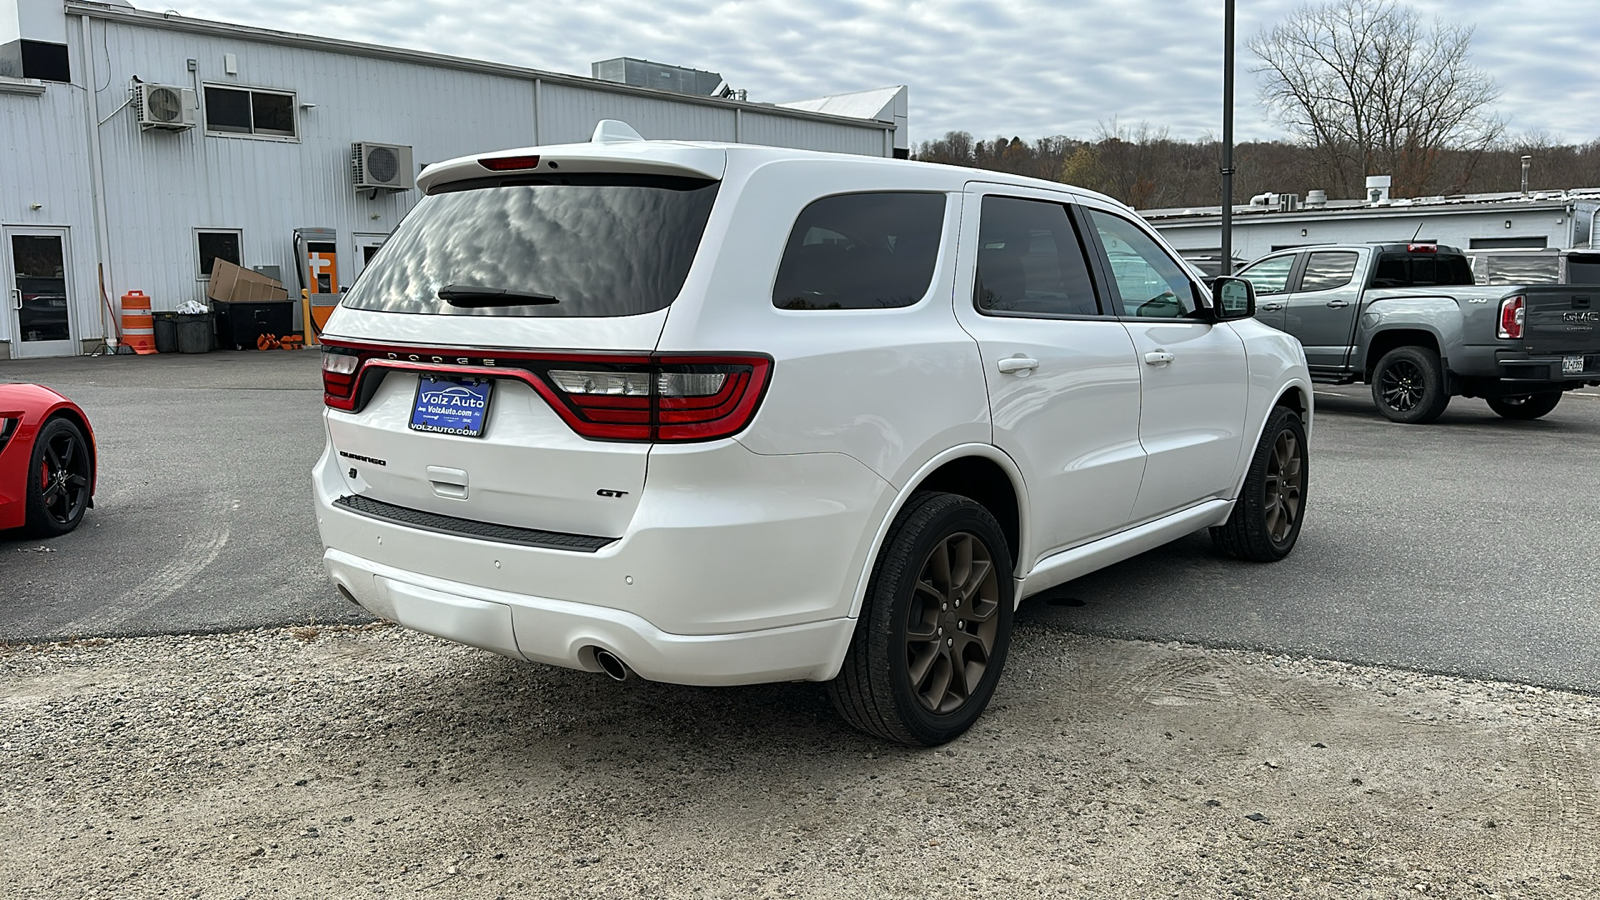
(166, 326)
(194, 332)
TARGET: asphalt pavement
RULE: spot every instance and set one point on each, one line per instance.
(203, 518)
(1463, 547)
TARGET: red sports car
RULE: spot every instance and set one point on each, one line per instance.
(47, 461)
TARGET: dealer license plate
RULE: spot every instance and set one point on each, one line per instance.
(451, 406)
(1572, 365)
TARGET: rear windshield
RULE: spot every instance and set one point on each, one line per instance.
(1421, 270)
(586, 246)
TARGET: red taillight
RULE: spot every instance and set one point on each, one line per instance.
(607, 397)
(1512, 312)
(340, 369)
(667, 398)
(1422, 248)
(508, 163)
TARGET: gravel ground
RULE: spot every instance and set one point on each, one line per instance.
(361, 761)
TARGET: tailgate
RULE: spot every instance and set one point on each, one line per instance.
(1561, 319)
(527, 470)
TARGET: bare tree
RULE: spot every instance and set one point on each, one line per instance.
(1374, 92)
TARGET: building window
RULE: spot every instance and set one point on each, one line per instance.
(215, 245)
(231, 110)
(1511, 243)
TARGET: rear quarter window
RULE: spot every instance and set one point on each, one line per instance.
(861, 251)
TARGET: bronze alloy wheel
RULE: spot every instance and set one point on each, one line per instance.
(953, 622)
(935, 625)
(1284, 486)
(1266, 520)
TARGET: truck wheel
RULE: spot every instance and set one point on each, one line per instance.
(934, 631)
(1266, 518)
(1525, 407)
(1408, 386)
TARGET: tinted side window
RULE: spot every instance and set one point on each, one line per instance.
(1148, 281)
(1270, 276)
(861, 251)
(1030, 261)
(1583, 268)
(1328, 270)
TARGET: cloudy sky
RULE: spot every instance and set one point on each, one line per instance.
(1012, 67)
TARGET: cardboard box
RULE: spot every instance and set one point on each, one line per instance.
(231, 284)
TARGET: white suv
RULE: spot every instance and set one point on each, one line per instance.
(724, 414)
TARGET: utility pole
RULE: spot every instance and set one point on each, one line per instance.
(1227, 138)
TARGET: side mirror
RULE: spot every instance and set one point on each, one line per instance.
(1232, 298)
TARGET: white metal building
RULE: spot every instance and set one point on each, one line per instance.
(1542, 219)
(136, 146)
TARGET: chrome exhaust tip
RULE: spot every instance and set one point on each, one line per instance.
(611, 665)
(345, 593)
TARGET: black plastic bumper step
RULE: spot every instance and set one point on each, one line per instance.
(468, 528)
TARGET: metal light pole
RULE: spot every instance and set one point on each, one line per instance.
(1227, 138)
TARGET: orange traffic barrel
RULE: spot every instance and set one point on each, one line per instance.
(138, 327)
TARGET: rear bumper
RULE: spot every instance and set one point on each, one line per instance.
(1517, 368)
(563, 633)
(737, 568)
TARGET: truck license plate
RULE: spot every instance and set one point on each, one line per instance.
(451, 406)
(1572, 365)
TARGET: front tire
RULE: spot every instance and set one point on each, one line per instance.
(1525, 407)
(1265, 522)
(935, 628)
(1408, 386)
(59, 479)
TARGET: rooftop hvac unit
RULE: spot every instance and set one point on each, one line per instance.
(166, 106)
(385, 167)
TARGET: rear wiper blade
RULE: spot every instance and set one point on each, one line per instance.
(478, 297)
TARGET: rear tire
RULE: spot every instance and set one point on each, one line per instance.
(932, 639)
(1408, 386)
(1266, 518)
(1525, 407)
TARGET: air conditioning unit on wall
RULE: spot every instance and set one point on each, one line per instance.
(165, 106)
(385, 167)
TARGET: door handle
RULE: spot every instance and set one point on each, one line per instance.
(1338, 304)
(1017, 364)
(1158, 358)
(16, 298)
(1271, 307)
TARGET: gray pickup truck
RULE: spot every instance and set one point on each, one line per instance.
(1408, 320)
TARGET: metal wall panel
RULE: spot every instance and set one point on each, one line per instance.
(1456, 227)
(44, 160)
(161, 186)
(806, 134)
(569, 115)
